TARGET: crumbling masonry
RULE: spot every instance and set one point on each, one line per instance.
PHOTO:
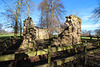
(71, 34)
(29, 34)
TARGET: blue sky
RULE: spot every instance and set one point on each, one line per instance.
(80, 8)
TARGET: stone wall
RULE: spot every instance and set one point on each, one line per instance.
(74, 28)
(72, 32)
(41, 33)
(29, 34)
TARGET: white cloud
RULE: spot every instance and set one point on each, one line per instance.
(86, 17)
(90, 26)
(8, 29)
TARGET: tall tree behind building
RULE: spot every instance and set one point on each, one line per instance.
(51, 10)
(14, 12)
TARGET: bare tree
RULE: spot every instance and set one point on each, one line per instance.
(89, 32)
(17, 16)
(85, 33)
(20, 27)
(97, 32)
(51, 12)
(50, 9)
(29, 5)
(13, 12)
(41, 8)
(96, 13)
(62, 25)
(0, 26)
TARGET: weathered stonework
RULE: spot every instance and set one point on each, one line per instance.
(29, 34)
(41, 33)
(44, 33)
(71, 34)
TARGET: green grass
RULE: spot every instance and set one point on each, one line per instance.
(2, 35)
(87, 38)
(7, 35)
(55, 36)
(81, 37)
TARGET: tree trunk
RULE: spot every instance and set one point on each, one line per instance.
(28, 8)
(42, 19)
(51, 29)
(17, 15)
(20, 28)
(47, 13)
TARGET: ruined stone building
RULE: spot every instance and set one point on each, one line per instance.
(29, 34)
(70, 35)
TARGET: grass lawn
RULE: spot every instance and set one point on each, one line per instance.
(7, 35)
(81, 37)
(87, 38)
(55, 36)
